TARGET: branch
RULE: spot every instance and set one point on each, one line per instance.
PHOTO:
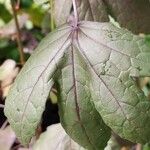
(20, 47)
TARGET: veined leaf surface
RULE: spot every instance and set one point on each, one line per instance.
(78, 115)
(114, 56)
(26, 100)
(95, 59)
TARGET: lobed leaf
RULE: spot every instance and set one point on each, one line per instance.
(94, 63)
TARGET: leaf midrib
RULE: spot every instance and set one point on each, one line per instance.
(76, 97)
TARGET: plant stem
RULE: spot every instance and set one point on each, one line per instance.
(75, 12)
(20, 47)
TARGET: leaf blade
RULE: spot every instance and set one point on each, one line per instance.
(78, 116)
(115, 93)
(26, 100)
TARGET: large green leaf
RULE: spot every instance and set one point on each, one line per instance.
(78, 115)
(115, 56)
(96, 62)
(26, 100)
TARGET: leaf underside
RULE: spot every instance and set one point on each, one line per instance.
(26, 100)
(78, 116)
(95, 65)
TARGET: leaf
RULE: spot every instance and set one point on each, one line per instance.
(55, 138)
(132, 14)
(78, 115)
(26, 100)
(4, 13)
(95, 63)
(114, 56)
(62, 9)
(92, 10)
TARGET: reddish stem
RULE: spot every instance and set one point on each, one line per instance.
(75, 12)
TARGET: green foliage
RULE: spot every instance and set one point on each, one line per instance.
(8, 50)
(93, 64)
(146, 147)
(4, 13)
